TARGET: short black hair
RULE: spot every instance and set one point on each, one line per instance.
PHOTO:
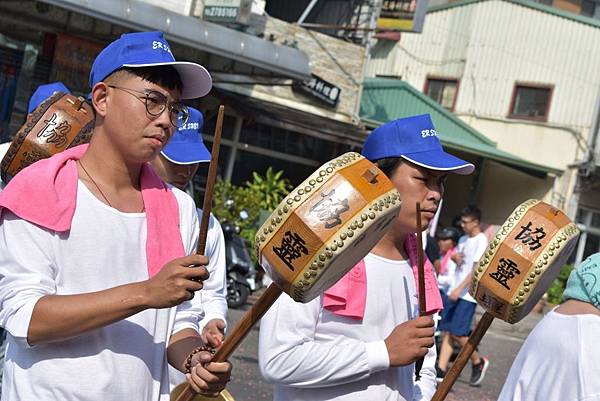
(163, 75)
(471, 211)
(389, 165)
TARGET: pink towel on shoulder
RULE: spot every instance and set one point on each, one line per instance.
(349, 295)
(45, 194)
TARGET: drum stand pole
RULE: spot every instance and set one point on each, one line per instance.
(240, 332)
(463, 357)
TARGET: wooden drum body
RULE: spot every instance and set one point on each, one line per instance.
(326, 225)
(58, 123)
(523, 259)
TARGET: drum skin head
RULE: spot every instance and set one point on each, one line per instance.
(523, 259)
(326, 225)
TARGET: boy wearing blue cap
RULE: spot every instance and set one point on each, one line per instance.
(559, 359)
(95, 284)
(177, 164)
(311, 352)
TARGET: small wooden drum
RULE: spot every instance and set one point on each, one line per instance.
(326, 225)
(315, 236)
(523, 259)
(58, 123)
(516, 269)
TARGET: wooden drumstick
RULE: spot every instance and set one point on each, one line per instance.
(421, 276)
(267, 299)
(463, 357)
(188, 394)
(240, 332)
(210, 182)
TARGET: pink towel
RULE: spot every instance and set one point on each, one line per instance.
(349, 295)
(45, 194)
(446, 258)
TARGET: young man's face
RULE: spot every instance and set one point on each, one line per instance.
(469, 224)
(138, 135)
(178, 175)
(417, 184)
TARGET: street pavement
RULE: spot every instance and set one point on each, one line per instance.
(500, 344)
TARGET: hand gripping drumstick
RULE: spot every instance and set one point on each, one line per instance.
(421, 271)
(303, 254)
(207, 202)
(516, 269)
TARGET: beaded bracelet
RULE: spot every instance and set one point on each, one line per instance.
(188, 361)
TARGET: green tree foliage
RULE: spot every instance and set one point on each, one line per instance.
(555, 292)
(243, 199)
(262, 193)
(271, 186)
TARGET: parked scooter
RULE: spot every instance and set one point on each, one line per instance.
(240, 267)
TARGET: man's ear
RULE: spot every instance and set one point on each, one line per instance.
(99, 98)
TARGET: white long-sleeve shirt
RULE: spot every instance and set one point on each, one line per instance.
(212, 298)
(104, 248)
(557, 362)
(312, 354)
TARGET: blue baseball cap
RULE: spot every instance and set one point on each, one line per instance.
(149, 49)
(43, 92)
(414, 139)
(186, 146)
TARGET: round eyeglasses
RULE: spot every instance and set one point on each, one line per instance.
(156, 103)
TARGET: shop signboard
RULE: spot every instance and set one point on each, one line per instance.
(227, 11)
(402, 15)
(73, 59)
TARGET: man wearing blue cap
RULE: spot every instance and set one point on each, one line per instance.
(95, 285)
(177, 164)
(311, 352)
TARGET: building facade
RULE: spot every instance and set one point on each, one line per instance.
(523, 74)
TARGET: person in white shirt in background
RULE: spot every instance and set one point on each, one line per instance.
(311, 352)
(177, 165)
(457, 316)
(559, 359)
